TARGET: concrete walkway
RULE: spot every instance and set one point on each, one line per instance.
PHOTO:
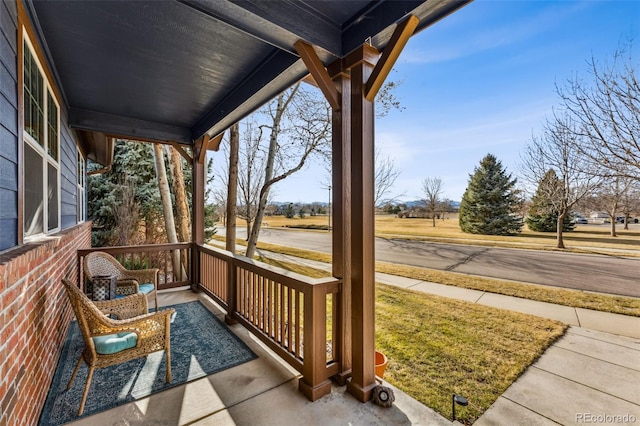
(586, 377)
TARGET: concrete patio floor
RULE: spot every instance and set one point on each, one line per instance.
(260, 392)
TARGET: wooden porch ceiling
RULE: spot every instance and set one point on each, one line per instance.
(175, 70)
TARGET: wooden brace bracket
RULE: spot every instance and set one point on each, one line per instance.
(398, 40)
(318, 72)
(182, 152)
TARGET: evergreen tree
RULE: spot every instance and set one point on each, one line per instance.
(133, 164)
(289, 212)
(542, 216)
(490, 203)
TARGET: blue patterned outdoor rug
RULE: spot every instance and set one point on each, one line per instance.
(200, 345)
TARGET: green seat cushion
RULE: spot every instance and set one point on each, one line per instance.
(146, 288)
(113, 343)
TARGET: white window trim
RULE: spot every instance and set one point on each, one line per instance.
(81, 213)
(43, 149)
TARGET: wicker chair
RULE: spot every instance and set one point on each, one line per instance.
(129, 281)
(152, 332)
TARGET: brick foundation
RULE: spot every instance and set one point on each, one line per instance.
(34, 318)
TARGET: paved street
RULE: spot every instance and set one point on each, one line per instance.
(600, 273)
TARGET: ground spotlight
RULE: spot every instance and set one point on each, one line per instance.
(460, 400)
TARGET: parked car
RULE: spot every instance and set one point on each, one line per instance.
(579, 220)
(620, 219)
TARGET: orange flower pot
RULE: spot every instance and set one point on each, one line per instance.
(381, 364)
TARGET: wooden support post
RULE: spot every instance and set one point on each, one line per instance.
(197, 213)
(362, 250)
(341, 213)
(232, 195)
(204, 145)
(314, 383)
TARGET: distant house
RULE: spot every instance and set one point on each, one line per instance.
(599, 215)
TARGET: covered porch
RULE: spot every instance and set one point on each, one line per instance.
(181, 73)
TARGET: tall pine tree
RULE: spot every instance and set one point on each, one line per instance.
(132, 165)
(542, 215)
(490, 203)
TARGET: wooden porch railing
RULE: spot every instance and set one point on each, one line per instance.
(150, 256)
(294, 315)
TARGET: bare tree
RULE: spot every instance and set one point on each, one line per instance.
(630, 202)
(300, 126)
(385, 177)
(232, 188)
(251, 165)
(183, 217)
(609, 198)
(606, 110)
(432, 190)
(167, 208)
(558, 149)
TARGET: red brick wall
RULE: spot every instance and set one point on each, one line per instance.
(34, 317)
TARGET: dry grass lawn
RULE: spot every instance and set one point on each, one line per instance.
(585, 238)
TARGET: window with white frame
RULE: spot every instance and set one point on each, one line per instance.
(41, 149)
(80, 208)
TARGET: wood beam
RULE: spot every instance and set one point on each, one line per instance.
(341, 218)
(399, 39)
(197, 216)
(129, 128)
(319, 73)
(204, 144)
(182, 152)
(361, 223)
(214, 143)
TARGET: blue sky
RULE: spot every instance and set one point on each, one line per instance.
(482, 81)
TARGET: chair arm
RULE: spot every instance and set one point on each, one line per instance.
(125, 307)
(143, 275)
(127, 286)
(152, 329)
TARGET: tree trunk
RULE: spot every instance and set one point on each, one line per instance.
(183, 219)
(252, 240)
(559, 229)
(613, 227)
(167, 208)
(232, 187)
(433, 215)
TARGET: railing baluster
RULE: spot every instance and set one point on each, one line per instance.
(289, 323)
(288, 312)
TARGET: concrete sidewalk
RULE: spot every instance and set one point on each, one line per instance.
(622, 325)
